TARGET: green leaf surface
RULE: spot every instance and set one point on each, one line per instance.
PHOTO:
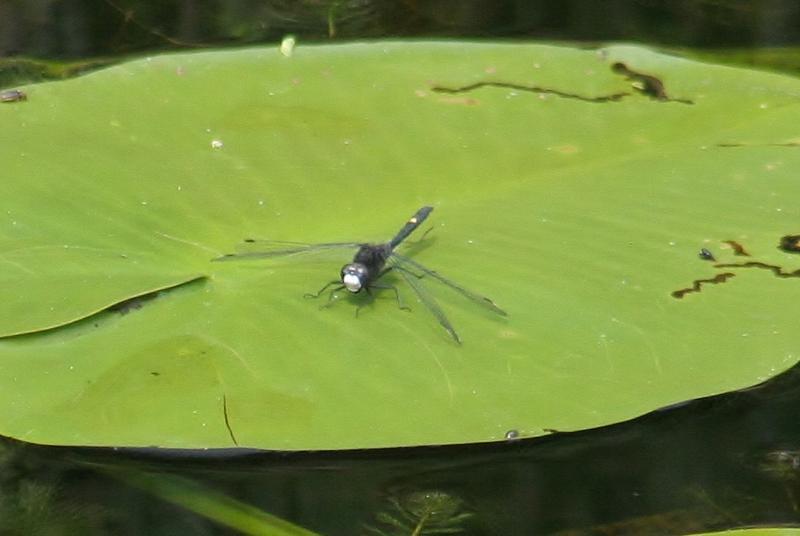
(574, 194)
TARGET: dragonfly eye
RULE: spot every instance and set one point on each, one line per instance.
(354, 276)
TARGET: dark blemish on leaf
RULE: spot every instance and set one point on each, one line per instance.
(646, 84)
(512, 435)
(790, 243)
(249, 241)
(155, 373)
(745, 144)
(137, 302)
(777, 270)
(530, 89)
(13, 95)
(551, 430)
(132, 304)
(227, 421)
(706, 255)
(738, 249)
(697, 284)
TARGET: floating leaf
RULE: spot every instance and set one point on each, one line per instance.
(575, 188)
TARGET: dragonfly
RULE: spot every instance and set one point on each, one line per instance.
(370, 264)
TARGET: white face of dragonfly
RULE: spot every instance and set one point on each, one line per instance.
(354, 276)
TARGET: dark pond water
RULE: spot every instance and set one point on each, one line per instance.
(726, 461)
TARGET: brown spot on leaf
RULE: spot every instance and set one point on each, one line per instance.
(738, 249)
(462, 101)
(697, 284)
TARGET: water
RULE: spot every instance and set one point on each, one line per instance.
(725, 461)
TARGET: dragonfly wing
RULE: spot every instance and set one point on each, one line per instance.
(264, 249)
(287, 244)
(429, 302)
(401, 260)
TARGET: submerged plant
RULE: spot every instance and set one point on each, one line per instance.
(34, 499)
(783, 466)
(419, 513)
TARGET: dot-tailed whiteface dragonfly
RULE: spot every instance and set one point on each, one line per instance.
(370, 263)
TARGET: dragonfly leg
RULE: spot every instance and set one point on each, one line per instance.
(400, 303)
(371, 299)
(332, 298)
(323, 289)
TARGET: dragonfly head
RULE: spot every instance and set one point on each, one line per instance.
(355, 276)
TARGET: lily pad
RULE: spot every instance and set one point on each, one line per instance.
(575, 188)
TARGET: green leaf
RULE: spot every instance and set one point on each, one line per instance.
(574, 192)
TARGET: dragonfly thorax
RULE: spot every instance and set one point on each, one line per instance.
(355, 276)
